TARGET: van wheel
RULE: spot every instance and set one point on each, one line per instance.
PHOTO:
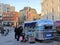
(38, 40)
(31, 42)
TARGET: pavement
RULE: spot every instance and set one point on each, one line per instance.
(10, 40)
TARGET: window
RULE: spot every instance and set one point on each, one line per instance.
(47, 27)
(52, 17)
(58, 8)
(59, 15)
(47, 17)
(46, 11)
(39, 27)
(4, 15)
(53, 10)
(8, 9)
(59, 0)
(4, 9)
(7, 15)
(11, 15)
(52, 1)
(47, 5)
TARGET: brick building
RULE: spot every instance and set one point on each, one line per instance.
(10, 18)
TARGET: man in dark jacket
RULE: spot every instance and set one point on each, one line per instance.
(19, 32)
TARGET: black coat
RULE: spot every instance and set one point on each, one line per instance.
(19, 30)
(16, 31)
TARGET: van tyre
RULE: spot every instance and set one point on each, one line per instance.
(31, 42)
(39, 40)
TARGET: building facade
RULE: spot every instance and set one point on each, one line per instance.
(28, 14)
(10, 18)
(5, 8)
(9, 8)
(51, 7)
(12, 9)
(2, 9)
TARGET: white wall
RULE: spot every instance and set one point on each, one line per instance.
(51, 16)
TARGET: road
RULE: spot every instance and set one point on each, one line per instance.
(9, 40)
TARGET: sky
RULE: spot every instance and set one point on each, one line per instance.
(20, 4)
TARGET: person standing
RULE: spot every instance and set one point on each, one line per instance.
(19, 32)
(15, 32)
(7, 31)
(2, 31)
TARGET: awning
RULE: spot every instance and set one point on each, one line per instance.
(57, 23)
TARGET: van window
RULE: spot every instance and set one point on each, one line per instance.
(30, 25)
(47, 27)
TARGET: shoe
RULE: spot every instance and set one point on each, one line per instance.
(17, 39)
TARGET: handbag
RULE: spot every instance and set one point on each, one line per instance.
(20, 38)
